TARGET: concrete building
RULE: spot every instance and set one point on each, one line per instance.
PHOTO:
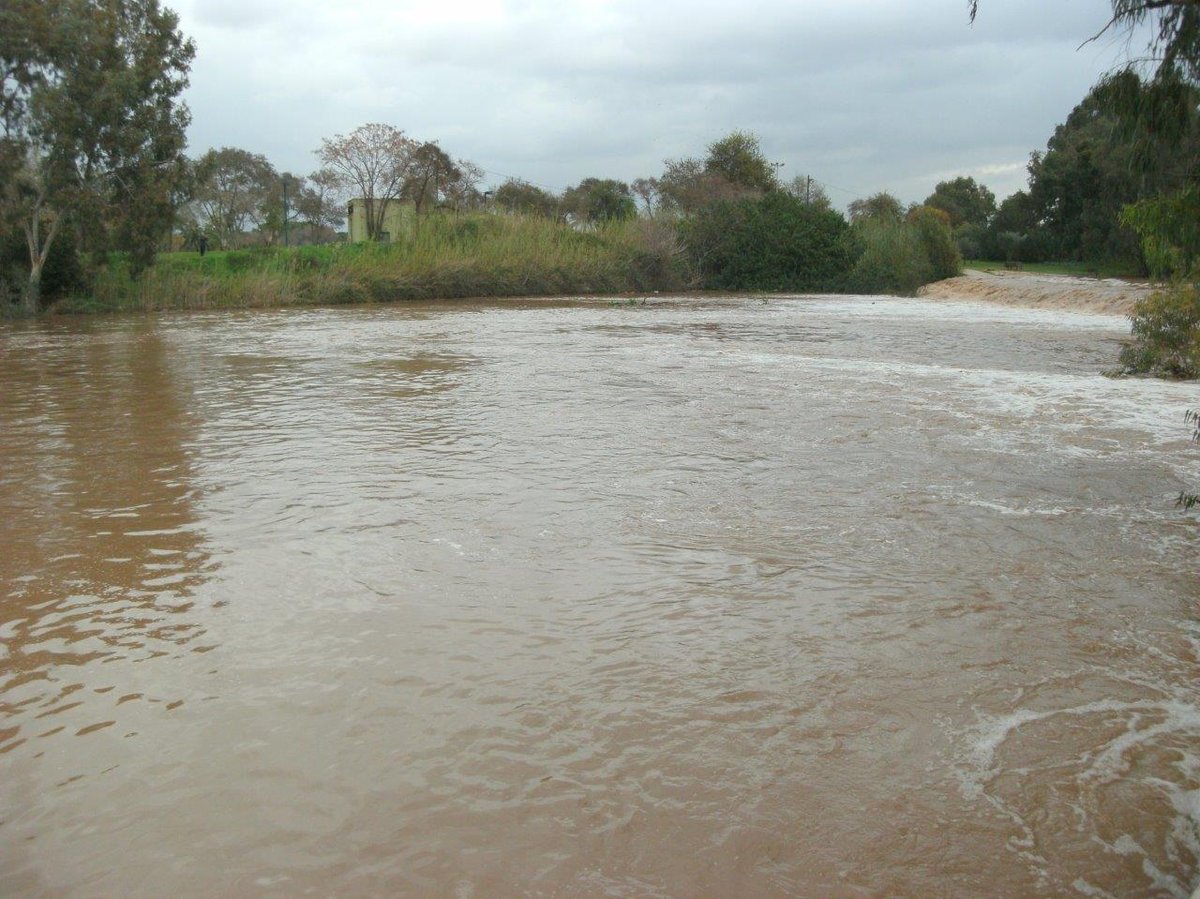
(399, 219)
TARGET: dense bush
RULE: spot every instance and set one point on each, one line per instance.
(773, 242)
(933, 227)
(891, 258)
(62, 274)
(1166, 334)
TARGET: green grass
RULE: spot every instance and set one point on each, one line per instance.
(1078, 269)
(472, 256)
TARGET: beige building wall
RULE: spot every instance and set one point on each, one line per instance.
(399, 218)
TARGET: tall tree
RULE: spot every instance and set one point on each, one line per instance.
(808, 189)
(374, 162)
(877, 206)
(429, 170)
(739, 159)
(320, 202)
(93, 127)
(687, 186)
(966, 201)
(236, 191)
(463, 190)
(599, 200)
(516, 196)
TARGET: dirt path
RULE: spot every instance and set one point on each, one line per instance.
(1106, 295)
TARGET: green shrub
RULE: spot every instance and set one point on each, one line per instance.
(891, 258)
(1166, 334)
(773, 242)
(933, 227)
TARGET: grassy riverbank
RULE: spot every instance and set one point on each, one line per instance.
(774, 243)
(448, 258)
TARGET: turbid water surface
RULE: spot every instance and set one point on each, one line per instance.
(803, 597)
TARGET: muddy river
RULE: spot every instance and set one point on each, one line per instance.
(799, 597)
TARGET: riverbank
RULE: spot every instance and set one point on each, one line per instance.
(1111, 296)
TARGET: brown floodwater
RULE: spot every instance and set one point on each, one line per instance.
(805, 597)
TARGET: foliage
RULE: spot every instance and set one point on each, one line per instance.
(735, 168)
(320, 200)
(451, 256)
(1166, 334)
(374, 162)
(1169, 227)
(1186, 500)
(881, 206)
(965, 201)
(92, 126)
(599, 200)
(514, 196)
(647, 190)
(62, 275)
(808, 189)
(933, 229)
(235, 190)
(1127, 142)
(890, 257)
(429, 168)
(773, 242)
(738, 159)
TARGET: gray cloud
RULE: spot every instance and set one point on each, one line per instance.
(865, 95)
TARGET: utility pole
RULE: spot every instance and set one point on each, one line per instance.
(808, 191)
(285, 212)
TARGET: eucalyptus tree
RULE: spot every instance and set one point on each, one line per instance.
(93, 129)
(236, 191)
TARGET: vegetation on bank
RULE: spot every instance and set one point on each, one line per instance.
(774, 242)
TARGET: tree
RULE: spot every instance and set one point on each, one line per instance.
(599, 200)
(647, 190)
(771, 242)
(320, 202)
(687, 186)
(236, 190)
(374, 161)
(965, 200)
(933, 228)
(808, 189)
(93, 129)
(1110, 154)
(878, 206)
(516, 196)
(739, 159)
(463, 190)
(429, 168)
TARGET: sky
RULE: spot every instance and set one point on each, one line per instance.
(862, 95)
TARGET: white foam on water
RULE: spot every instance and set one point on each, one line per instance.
(1172, 722)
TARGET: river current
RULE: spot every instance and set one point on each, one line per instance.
(804, 596)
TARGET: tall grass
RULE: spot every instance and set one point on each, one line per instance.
(447, 257)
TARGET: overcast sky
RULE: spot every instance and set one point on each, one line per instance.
(864, 95)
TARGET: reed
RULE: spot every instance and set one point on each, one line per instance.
(447, 257)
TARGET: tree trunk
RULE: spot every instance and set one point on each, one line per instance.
(39, 251)
(33, 290)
